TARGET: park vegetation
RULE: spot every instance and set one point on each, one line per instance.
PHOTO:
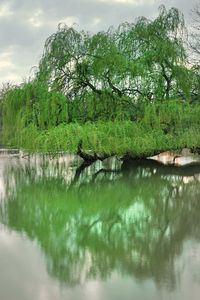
(132, 90)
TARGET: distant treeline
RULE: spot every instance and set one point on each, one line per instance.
(118, 76)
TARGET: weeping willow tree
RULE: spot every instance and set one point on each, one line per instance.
(162, 53)
(137, 61)
(31, 104)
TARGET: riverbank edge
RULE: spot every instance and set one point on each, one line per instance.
(98, 141)
(173, 158)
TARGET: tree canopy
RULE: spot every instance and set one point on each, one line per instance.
(145, 59)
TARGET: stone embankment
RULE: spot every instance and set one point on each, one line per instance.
(177, 158)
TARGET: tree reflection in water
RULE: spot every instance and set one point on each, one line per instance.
(127, 218)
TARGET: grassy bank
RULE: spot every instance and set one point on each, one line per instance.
(166, 126)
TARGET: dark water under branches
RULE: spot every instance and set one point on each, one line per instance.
(110, 231)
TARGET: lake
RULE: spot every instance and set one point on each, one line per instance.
(109, 231)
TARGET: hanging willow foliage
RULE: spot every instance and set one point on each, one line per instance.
(32, 103)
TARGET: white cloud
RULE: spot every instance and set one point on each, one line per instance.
(10, 70)
(6, 60)
(5, 10)
(36, 19)
(96, 21)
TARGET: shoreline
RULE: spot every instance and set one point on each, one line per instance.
(181, 157)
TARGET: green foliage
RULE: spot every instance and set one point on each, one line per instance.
(195, 78)
(171, 115)
(31, 104)
(165, 126)
(138, 60)
(102, 107)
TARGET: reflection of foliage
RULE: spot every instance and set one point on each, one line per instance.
(134, 225)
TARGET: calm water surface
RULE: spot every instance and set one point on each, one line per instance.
(110, 231)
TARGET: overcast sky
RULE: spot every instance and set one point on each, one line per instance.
(25, 25)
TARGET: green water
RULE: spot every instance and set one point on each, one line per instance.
(110, 231)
